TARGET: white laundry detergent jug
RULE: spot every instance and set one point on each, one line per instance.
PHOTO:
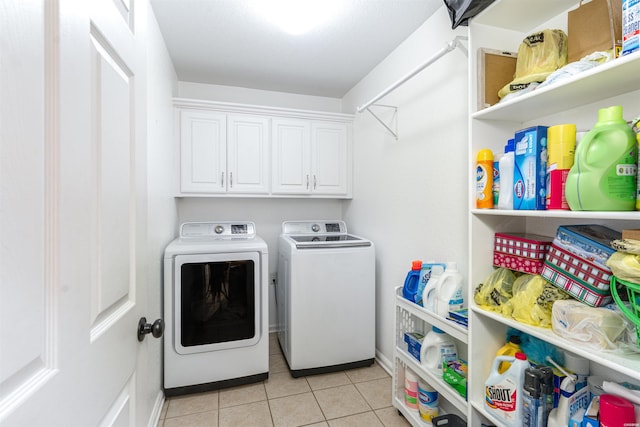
(437, 348)
(503, 392)
(428, 293)
(448, 291)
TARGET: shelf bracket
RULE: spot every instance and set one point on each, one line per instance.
(394, 118)
(449, 47)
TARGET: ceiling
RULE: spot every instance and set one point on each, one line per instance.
(225, 42)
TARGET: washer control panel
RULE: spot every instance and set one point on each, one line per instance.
(204, 230)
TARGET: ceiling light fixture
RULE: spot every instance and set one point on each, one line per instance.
(298, 16)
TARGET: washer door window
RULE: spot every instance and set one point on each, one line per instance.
(217, 301)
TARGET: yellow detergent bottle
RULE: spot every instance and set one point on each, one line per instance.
(509, 349)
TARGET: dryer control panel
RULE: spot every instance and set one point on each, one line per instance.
(199, 230)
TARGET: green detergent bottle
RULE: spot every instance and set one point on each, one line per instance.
(603, 175)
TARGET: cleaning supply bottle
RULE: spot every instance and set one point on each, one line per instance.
(427, 401)
(484, 179)
(437, 348)
(411, 281)
(532, 402)
(546, 378)
(448, 289)
(561, 140)
(429, 293)
(507, 164)
(410, 389)
(503, 392)
(635, 126)
(495, 188)
(509, 349)
(559, 417)
(426, 273)
(603, 176)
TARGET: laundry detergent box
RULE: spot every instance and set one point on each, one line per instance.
(529, 179)
(414, 343)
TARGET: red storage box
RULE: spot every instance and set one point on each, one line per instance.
(520, 251)
(584, 280)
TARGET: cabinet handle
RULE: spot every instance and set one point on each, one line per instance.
(315, 182)
(222, 179)
(230, 179)
(307, 182)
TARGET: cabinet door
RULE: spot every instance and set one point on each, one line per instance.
(203, 154)
(248, 156)
(291, 141)
(329, 158)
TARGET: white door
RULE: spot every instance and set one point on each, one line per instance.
(203, 152)
(72, 212)
(291, 140)
(248, 155)
(329, 158)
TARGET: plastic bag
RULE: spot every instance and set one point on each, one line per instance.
(539, 55)
(496, 289)
(532, 300)
(601, 328)
(460, 11)
(625, 266)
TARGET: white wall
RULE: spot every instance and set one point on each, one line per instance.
(161, 205)
(410, 195)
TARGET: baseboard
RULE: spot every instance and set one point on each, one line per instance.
(384, 363)
(154, 419)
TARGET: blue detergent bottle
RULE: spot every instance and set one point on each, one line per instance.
(412, 281)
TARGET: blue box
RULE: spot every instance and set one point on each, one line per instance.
(414, 343)
(530, 172)
(590, 418)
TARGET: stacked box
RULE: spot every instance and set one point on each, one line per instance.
(530, 172)
(576, 262)
(520, 251)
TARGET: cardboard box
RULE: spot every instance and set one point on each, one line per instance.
(591, 27)
(590, 418)
(496, 68)
(414, 343)
(633, 234)
(530, 173)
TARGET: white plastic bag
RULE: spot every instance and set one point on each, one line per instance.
(600, 328)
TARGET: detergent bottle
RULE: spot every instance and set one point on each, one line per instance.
(509, 349)
(503, 392)
(427, 273)
(412, 281)
(603, 175)
(437, 348)
(448, 290)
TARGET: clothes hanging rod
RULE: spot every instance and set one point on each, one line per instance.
(448, 48)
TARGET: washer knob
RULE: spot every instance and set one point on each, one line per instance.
(219, 229)
(315, 228)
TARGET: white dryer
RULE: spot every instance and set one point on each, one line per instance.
(325, 297)
(215, 307)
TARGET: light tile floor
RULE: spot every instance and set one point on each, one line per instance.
(353, 398)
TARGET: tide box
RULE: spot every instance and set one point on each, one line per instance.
(520, 251)
(414, 343)
(590, 242)
(529, 179)
(583, 280)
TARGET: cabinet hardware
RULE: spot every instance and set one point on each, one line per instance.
(315, 182)
(231, 179)
(222, 179)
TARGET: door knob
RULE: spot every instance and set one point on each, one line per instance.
(156, 329)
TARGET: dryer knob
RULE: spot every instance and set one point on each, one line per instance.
(219, 229)
(315, 228)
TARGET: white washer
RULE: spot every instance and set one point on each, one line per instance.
(215, 307)
(325, 297)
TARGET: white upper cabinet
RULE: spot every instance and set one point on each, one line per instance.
(222, 153)
(329, 157)
(248, 155)
(291, 156)
(203, 152)
(245, 150)
(310, 157)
